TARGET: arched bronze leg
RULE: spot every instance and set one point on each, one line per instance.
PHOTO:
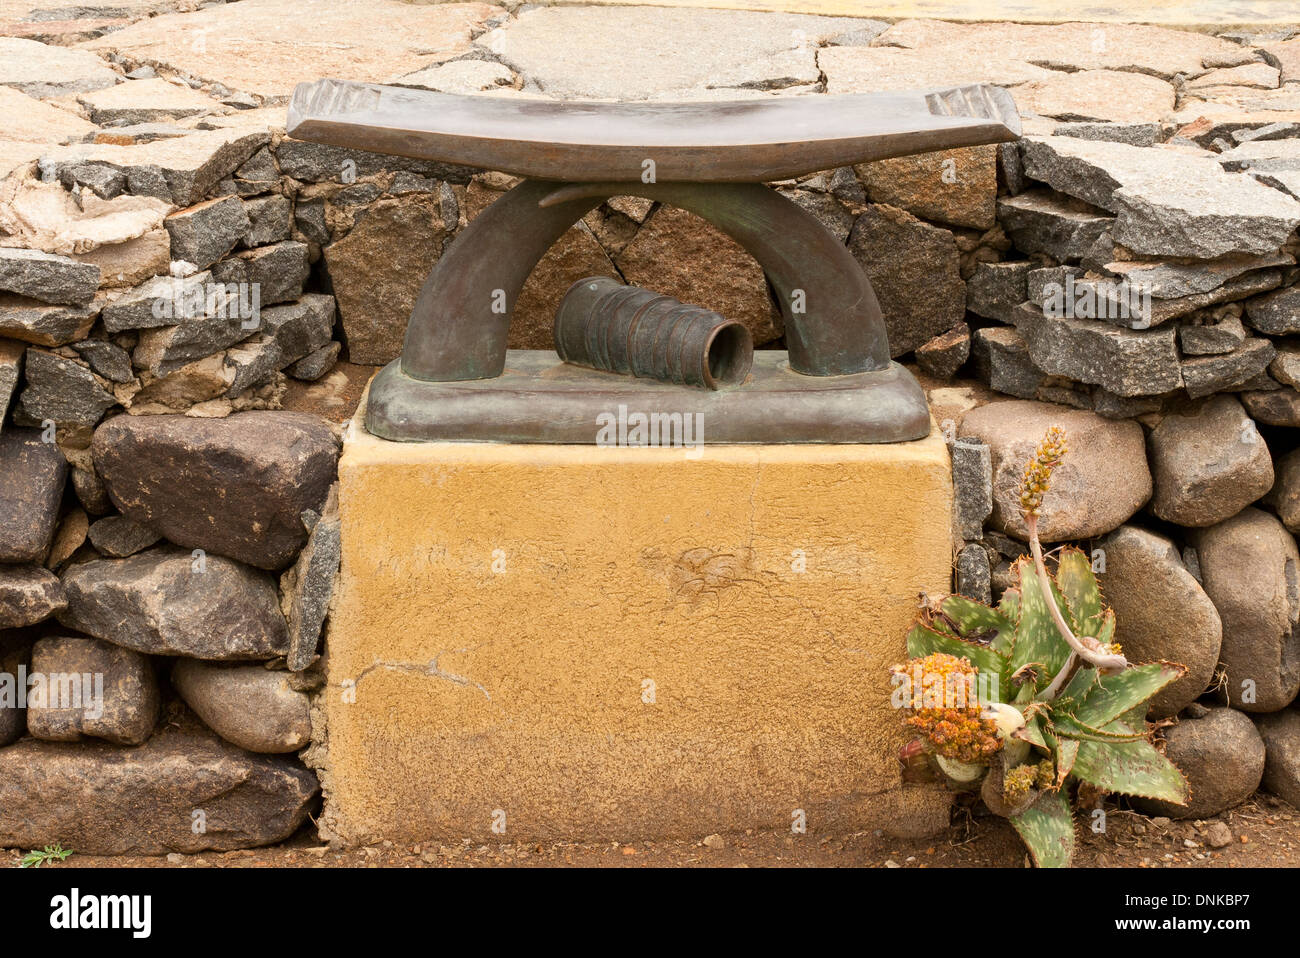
(457, 330)
(460, 323)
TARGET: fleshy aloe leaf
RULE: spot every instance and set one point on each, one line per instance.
(1047, 829)
(1132, 768)
(1105, 633)
(1033, 733)
(976, 620)
(923, 640)
(1037, 639)
(1009, 605)
(1079, 587)
(1114, 695)
(1070, 727)
(1135, 717)
(1067, 752)
(1083, 681)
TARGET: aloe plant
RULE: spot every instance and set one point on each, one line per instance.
(1032, 696)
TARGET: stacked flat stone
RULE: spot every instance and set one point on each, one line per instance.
(216, 569)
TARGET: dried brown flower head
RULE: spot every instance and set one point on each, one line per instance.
(941, 694)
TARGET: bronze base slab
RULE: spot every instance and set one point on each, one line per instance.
(540, 399)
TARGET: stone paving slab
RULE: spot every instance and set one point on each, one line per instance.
(42, 71)
(34, 121)
(637, 53)
(266, 47)
(1183, 13)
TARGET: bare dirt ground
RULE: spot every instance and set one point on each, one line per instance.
(1265, 833)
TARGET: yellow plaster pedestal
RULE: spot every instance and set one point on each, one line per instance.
(584, 643)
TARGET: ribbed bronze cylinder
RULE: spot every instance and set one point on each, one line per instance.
(604, 324)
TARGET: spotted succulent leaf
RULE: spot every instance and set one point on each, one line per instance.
(1135, 717)
(1032, 733)
(1047, 829)
(1105, 633)
(1131, 768)
(976, 621)
(1037, 638)
(1114, 695)
(924, 640)
(1067, 752)
(1079, 587)
(1068, 726)
(1081, 683)
(1009, 605)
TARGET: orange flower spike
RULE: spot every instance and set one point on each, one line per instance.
(1038, 471)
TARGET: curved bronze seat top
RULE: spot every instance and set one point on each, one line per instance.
(728, 141)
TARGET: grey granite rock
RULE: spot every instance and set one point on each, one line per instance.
(914, 268)
(47, 277)
(1167, 203)
(1211, 339)
(1098, 487)
(247, 705)
(203, 233)
(994, 290)
(1222, 757)
(1002, 362)
(106, 359)
(1134, 134)
(102, 799)
(182, 170)
(1040, 221)
(61, 390)
(1281, 734)
(1276, 313)
(316, 363)
(318, 163)
(1277, 407)
(43, 324)
(269, 219)
(278, 272)
(972, 481)
(1251, 571)
(1166, 615)
(236, 486)
(286, 335)
(942, 356)
(11, 368)
(1126, 362)
(1209, 462)
(118, 537)
(163, 301)
(1203, 375)
(32, 473)
(974, 578)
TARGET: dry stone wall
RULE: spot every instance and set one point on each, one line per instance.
(188, 298)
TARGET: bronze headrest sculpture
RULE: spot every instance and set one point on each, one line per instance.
(455, 379)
